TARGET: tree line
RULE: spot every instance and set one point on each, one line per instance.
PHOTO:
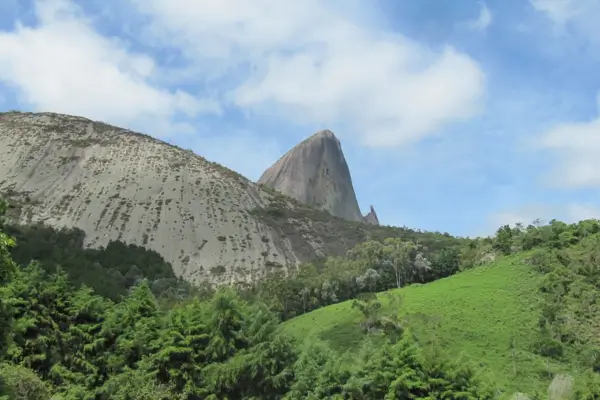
(62, 334)
(60, 340)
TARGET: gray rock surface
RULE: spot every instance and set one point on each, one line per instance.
(561, 387)
(371, 217)
(315, 172)
(115, 184)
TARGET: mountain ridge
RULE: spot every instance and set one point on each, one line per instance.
(116, 184)
(211, 223)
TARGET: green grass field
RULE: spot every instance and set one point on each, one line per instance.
(486, 316)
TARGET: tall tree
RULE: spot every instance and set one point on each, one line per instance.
(399, 254)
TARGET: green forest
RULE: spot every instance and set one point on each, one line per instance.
(115, 322)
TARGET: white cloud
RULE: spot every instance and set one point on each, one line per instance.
(63, 65)
(578, 146)
(314, 63)
(559, 11)
(484, 20)
(581, 16)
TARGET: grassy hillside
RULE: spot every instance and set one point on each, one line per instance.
(487, 316)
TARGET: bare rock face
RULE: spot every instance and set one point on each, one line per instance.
(209, 222)
(115, 184)
(371, 217)
(315, 172)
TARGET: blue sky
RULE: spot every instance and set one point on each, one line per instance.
(456, 116)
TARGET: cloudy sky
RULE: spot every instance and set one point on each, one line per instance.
(455, 116)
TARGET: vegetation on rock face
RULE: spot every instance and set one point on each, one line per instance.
(110, 271)
(296, 222)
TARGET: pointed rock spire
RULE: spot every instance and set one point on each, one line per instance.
(371, 217)
(315, 172)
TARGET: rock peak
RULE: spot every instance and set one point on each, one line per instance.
(315, 172)
(371, 217)
(325, 134)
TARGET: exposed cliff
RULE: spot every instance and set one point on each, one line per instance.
(208, 221)
(315, 172)
(116, 184)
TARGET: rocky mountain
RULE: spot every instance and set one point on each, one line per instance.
(208, 221)
(315, 172)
